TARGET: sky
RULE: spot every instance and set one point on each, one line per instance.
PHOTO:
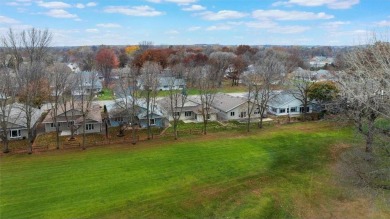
(178, 22)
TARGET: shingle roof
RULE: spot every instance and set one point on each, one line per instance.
(224, 102)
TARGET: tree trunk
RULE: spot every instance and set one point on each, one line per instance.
(134, 140)
(147, 114)
(175, 129)
(83, 146)
(30, 142)
(5, 145)
(57, 137)
(204, 126)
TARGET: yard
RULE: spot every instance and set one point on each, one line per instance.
(282, 171)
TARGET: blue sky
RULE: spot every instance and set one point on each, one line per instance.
(228, 22)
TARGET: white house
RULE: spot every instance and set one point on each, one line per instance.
(231, 107)
(73, 116)
(17, 121)
(167, 83)
(284, 103)
(89, 81)
(191, 111)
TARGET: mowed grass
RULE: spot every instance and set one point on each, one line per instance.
(277, 172)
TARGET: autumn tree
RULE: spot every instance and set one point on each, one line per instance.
(106, 60)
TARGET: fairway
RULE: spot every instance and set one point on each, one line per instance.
(277, 172)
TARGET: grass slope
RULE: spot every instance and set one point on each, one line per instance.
(278, 172)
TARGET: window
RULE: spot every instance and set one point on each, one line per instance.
(293, 109)
(70, 123)
(231, 113)
(208, 116)
(288, 110)
(242, 114)
(89, 127)
(52, 125)
(151, 121)
(14, 133)
(301, 109)
(282, 110)
(176, 114)
(274, 110)
(188, 113)
(257, 111)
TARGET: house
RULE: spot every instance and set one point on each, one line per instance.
(17, 121)
(87, 82)
(284, 103)
(230, 107)
(191, 111)
(320, 61)
(118, 113)
(166, 83)
(68, 116)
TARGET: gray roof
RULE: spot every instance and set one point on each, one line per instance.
(18, 116)
(223, 102)
(281, 98)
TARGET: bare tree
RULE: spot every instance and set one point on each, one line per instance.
(128, 93)
(7, 97)
(177, 98)
(87, 84)
(58, 75)
(220, 62)
(364, 87)
(30, 77)
(207, 88)
(149, 79)
(300, 86)
(266, 75)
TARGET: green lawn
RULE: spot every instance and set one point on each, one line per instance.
(106, 94)
(277, 172)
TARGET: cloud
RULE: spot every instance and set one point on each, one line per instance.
(261, 24)
(194, 8)
(180, 2)
(383, 23)
(79, 5)
(93, 30)
(172, 32)
(109, 25)
(221, 15)
(333, 4)
(19, 3)
(60, 13)
(144, 11)
(288, 29)
(55, 5)
(194, 28)
(7, 20)
(289, 15)
(335, 24)
(219, 27)
(91, 4)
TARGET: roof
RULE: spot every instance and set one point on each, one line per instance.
(118, 106)
(18, 116)
(281, 98)
(94, 113)
(223, 102)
